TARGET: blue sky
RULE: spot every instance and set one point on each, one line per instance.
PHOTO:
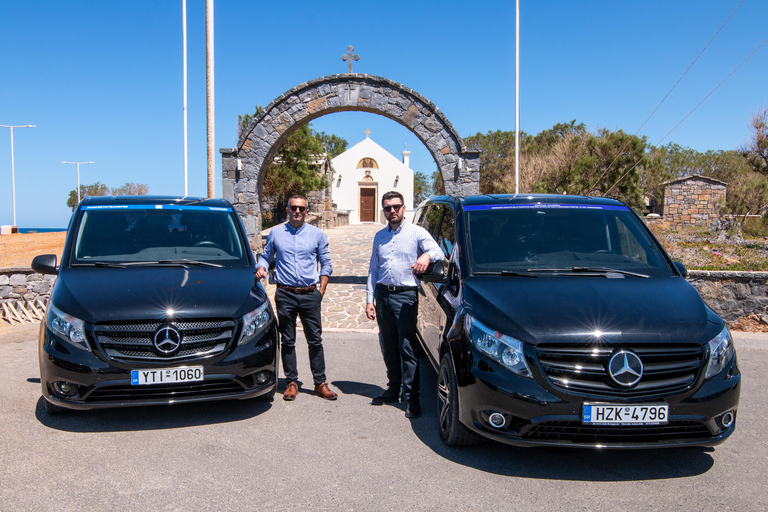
(102, 80)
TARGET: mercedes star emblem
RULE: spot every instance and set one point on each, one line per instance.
(167, 340)
(625, 368)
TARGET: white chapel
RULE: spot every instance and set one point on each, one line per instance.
(364, 173)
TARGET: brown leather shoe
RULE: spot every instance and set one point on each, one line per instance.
(290, 391)
(323, 391)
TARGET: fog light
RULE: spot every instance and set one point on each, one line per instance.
(727, 419)
(496, 420)
(262, 377)
(64, 388)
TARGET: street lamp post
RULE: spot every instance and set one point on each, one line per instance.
(13, 171)
(78, 176)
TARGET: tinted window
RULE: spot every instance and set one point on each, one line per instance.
(430, 219)
(447, 236)
(158, 232)
(523, 237)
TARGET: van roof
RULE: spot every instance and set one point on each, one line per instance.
(139, 200)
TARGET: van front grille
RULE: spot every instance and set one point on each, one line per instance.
(134, 341)
(583, 368)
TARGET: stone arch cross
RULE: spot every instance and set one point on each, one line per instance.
(244, 167)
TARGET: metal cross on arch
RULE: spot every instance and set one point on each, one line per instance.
(350, 57)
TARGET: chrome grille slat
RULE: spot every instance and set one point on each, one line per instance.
(582, 368)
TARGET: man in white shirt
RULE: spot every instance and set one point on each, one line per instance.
(400, 250)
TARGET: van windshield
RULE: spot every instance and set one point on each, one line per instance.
(131, 234)
(549, 237)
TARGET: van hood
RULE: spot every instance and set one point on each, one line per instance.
(574, 308)
(98, 295)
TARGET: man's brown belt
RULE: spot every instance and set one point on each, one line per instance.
(297, 289)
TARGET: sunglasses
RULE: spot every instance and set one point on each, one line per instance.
(391, 207)
(294, 207)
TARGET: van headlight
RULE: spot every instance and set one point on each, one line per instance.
(721, 353)
(67, 328)
(501, 348)
(254, 323)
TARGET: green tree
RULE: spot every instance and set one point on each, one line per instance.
(131, 189)
(422, 188)
(755, 150)
(293, 170)
(497, 152)
(332, 144)
(97, 189)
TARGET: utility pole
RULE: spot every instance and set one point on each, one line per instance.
(517, 96)
(209, 96)
(13, 171)
(184, 44)
(78, 176)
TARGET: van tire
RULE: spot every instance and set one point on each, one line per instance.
(52, 409)
(452, 432)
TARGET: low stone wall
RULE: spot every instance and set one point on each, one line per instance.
(24, 284)
(741, 298)
(23, 295)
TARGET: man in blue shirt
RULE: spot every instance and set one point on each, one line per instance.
(297, 248)
(399, 251)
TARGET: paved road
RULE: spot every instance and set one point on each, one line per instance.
(345, 455)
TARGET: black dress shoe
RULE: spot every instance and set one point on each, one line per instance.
(413, 410)
(390, 396)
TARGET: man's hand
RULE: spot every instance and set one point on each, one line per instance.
(370, 311)
(323, 284)
(421, 264)
(261, 273)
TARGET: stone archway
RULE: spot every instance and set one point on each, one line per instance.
(244, 167)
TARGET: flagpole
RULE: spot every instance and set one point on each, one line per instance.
(517, 96)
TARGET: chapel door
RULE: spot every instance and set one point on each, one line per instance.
(367, 205)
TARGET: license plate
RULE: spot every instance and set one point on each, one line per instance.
(166, 375)
(621, 414)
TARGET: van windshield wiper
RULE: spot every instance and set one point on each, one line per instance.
(506, 273)
(181, 263)
(593, 270)
(103, 264)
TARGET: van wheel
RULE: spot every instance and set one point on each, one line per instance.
(452, 431)
(269, 396)
(52, 409)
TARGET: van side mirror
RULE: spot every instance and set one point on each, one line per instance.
(45, 264)
(434, 273)
(681, 268)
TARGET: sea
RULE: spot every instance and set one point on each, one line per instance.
(40, 230)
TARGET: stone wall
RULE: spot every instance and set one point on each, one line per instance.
(693, 201)
(741, 298)
(24, 284)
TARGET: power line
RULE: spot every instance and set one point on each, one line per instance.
(691, 112)
(664, 98)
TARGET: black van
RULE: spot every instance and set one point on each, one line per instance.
(560, 320)
(155, 303)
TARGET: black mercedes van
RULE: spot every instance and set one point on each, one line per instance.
(561, 321)
(155, 303)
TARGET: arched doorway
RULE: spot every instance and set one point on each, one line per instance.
(244, 167)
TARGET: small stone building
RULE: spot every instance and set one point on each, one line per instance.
(693, 201)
